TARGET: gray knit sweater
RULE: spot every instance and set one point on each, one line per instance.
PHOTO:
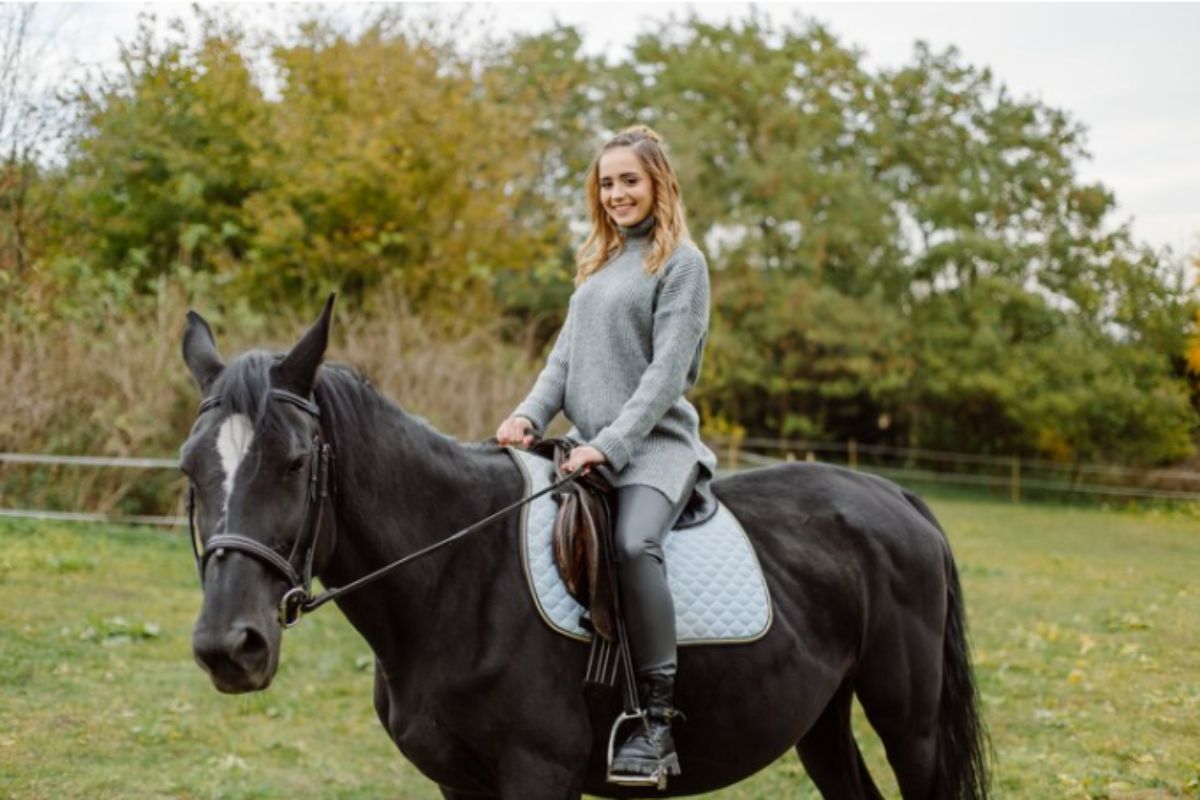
(630, 347)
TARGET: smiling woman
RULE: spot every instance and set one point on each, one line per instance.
(630, 348)
(625, 189)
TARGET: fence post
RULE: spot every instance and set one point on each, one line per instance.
(733, 452)
(1016, 479)
(852, 453)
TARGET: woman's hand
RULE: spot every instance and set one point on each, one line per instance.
(515, 431)
(583, 457)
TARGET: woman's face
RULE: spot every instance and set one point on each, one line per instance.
(626, 191)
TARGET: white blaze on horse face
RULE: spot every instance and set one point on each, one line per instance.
(233, 440)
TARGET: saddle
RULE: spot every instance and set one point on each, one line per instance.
(582, 538)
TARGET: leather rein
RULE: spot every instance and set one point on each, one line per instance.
(299, 599)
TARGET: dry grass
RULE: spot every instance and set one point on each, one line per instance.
(122, 390)
(461, 377)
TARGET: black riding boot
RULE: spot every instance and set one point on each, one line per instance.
(651, 749)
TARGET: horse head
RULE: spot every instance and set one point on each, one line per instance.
(257, 466)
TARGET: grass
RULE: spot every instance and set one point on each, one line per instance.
(1084, 621)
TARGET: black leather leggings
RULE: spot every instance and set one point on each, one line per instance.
(644, 516)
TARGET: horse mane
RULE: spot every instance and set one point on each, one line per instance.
(241, 388)
(352, 411)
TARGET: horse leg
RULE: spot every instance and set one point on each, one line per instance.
(899, 684)
(830, 753)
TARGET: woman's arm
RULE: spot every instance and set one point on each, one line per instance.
(680, 327)
(545, 399)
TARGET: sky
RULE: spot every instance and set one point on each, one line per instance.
(1129, 72)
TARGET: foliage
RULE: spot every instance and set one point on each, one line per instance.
(396, 165)
(1192, 356)
(550, 75)
(170, 152)
(904, 256)
(384, 161)
(908, 255)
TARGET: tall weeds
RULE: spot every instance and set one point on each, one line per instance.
(120, 388)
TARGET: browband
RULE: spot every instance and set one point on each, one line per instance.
(303, 403)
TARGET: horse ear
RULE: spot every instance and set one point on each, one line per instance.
(200, 351)
(297, 372)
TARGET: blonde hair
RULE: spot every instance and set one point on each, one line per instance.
(670, 227)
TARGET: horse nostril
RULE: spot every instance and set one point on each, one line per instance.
(253, 652)
(232, 654)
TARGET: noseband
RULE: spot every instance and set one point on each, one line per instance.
(299, 579)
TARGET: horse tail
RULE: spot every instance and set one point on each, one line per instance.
(963, 746)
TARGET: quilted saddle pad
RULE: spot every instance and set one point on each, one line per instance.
(719, 591)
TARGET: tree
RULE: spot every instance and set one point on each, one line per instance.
(395, 164)
(31, 125)
(1012, 260)
(905, 256)
(767, 129)
(912, 247)
(549, 75)
(172, 149)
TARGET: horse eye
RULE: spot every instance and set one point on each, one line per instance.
(296, 464)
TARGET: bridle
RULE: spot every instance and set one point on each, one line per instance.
(299, 578)
(298, 599)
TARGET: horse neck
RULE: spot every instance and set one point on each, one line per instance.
(401, 486)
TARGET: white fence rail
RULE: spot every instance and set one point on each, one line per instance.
(1012, 473)
(1014, 476)
(87, 516)
(89, 461)
(94, 462)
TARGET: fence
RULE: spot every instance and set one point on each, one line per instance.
(91, 462)
(1015, 477)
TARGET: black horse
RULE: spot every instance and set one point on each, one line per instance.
(475, 689)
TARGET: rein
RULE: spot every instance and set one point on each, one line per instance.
(298, 599)
(313, 603)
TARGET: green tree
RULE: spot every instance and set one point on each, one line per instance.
(395, 165)
(171, 149)
(1012, 262)
(912, 247)
(549, 75)
(767, 128)
(905, 256)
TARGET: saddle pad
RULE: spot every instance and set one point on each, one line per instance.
(719, 591)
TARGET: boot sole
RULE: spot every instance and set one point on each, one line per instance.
(645, 767)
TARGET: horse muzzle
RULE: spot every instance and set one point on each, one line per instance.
(239, 658)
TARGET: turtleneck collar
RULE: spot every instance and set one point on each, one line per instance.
(638, 231)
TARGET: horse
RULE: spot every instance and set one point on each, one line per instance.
(473, 688)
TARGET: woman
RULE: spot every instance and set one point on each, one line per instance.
(630, 347)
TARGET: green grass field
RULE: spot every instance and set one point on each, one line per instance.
(1085, 626)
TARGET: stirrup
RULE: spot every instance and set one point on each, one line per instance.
(658, 778)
